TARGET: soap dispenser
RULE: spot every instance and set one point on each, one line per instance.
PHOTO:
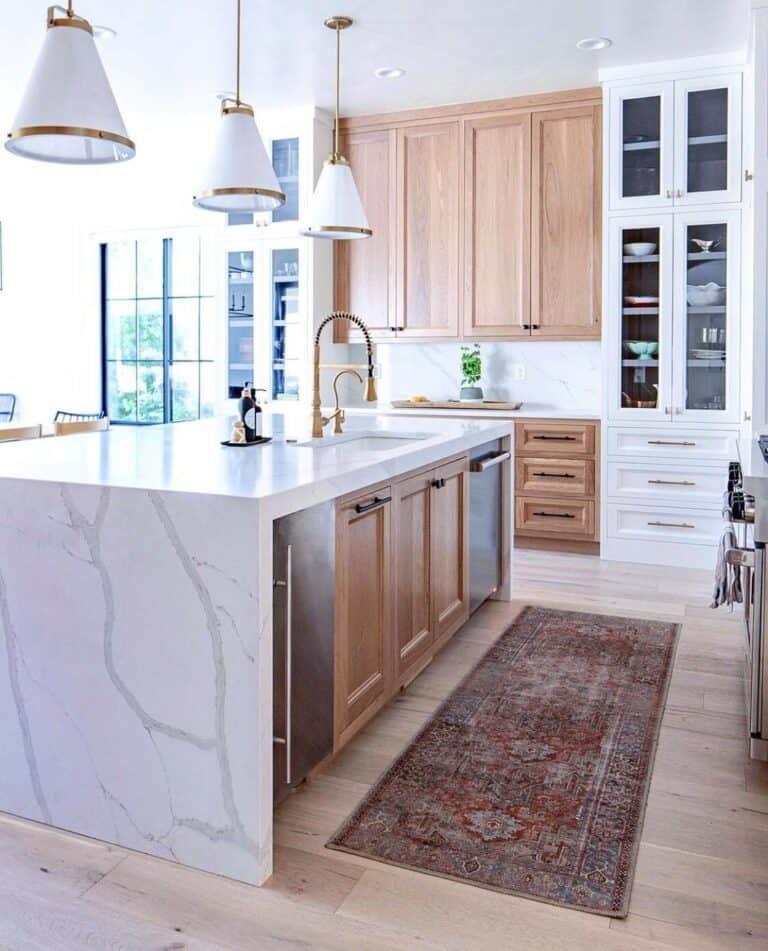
(250, 414)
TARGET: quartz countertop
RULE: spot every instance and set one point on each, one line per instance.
(187, 457)
(526, 411)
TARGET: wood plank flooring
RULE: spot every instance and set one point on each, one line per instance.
(702, 873)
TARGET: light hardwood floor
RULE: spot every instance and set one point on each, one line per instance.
(702, 873)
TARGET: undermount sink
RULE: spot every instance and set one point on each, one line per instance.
(365, 441)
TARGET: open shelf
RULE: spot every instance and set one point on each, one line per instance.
(707, 255)
(638, 311)
(641, 258)
(714, 309)
(707, 139)
(641, 146)
(639, 363)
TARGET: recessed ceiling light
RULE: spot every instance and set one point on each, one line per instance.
(104, 32)
(594, 43)
(389, 72)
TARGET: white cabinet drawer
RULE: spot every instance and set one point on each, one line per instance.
(661, 523)
(653, 483)
(671, 443)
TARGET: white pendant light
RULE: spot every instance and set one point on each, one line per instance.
(240, 177)
(69, 113)
(336, 211)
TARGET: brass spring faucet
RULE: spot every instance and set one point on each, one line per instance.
(318, 420)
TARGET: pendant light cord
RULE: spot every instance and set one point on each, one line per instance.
(237, 94)
(338, 83)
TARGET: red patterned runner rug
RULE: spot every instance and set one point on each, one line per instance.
(532, 777)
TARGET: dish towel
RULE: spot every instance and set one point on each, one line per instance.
(727, 588)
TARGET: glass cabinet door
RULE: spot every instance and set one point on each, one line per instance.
(641, 151)
(707, 295)
(708, 133)
(240, 276)
(287, 335)
(644, 249)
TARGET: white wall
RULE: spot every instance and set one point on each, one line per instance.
(562, 377)
(49, 314)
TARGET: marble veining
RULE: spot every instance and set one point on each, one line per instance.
(136, 614)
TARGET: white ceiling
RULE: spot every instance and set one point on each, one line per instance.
(173, 55)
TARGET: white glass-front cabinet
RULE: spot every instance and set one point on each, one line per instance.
(673, 347)
(675, 143)
(267, 325)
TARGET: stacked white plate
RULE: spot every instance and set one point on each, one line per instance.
(709, 356)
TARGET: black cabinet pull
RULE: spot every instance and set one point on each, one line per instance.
(555, 475)
(554, 514)
(370, 506)
(556, 438)
(438, 483)
(534, 326)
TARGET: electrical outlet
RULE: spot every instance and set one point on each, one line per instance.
(518, 371)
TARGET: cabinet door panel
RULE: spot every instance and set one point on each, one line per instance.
(364, 269)
(641, 147)
(428, 230)
(708, 140)
(565, 291)
(497, 181)
(450, 547)
(363, 624)
(412, 607)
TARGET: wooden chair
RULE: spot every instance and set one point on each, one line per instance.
(69, 428)
(12, 433)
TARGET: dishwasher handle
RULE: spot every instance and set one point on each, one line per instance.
(287, 584)
(481, 465)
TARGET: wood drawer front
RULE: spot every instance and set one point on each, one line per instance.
(555, 517)
(652, 484)
(657, 523)
(671, 443)
(555, 438)
(539, 475)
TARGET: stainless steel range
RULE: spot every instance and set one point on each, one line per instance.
(750, 519)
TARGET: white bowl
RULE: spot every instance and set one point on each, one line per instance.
(638, 249)
(706, 295)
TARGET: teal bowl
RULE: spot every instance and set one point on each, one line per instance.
(643, 349)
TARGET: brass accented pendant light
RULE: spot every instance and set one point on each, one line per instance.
(240, 176)
(336, 211)
(69, 113)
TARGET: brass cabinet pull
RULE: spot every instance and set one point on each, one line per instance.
(670, 442)
(555, 475)
(554, 514)
(556, 438)
(669, 482)
(672, 524)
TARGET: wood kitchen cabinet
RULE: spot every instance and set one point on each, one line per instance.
(364, 270)
(362, 654)
(565, 223)
(497, 221)
(427, 244)
(431, 562)
(402, 585)
(489, 220)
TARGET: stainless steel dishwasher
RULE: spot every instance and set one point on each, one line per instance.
(485, 512)
(304, 557)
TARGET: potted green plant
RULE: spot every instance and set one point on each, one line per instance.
(471, 371)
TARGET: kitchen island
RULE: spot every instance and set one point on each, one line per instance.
(136, 611)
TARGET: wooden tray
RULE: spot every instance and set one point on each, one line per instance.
(455, 404)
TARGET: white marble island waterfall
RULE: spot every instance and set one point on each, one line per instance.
(136, 619)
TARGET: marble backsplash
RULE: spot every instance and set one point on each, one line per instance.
(561, 376)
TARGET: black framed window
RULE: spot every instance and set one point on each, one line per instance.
(158, 331)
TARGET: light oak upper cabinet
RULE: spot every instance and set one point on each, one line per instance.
(566, 210)
(428, 230)
(412, 596)
(497, 218)
(363, 662)
(450, 547)
(364, 270)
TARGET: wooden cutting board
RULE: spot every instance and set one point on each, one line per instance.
(455, 404)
